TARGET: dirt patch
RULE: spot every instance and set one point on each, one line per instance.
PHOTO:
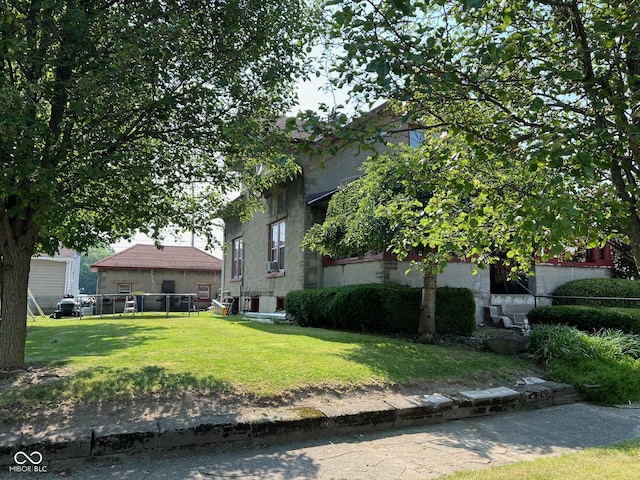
(195, 404)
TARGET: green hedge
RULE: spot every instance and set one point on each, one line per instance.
(587, 318)
(365, 308)
(599, 287)
(311, 307)
(455, 311)
(380, 308)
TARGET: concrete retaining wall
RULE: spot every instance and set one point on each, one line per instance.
(284, 424)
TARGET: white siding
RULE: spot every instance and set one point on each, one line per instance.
(47, 277)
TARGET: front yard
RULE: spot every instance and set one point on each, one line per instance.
(148, 359)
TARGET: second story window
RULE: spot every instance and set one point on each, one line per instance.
(237, 256)
(416, 137)
(278, 203)
(276, 250)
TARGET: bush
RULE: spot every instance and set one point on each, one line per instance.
(455, 311)
(311, 308)
(359, 308)
(599, 287)
(366, 308)
(381, 308)
(604, 366)
(587, 318)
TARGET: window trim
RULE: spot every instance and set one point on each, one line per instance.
(237, 263)
(277, 253)
(199, 290)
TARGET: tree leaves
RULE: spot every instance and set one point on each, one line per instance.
(113, 109)
(549, 87)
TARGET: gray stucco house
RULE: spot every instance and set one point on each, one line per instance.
(263, 260)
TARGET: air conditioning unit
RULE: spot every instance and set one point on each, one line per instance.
(271, 267)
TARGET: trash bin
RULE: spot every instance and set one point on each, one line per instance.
(185, 301)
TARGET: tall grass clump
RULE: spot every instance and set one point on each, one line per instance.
(605, 366)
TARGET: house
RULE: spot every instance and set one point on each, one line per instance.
(52, 277)
(264, 260)
(177, 272)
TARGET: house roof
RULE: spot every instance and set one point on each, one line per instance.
(320, 196)
(62, 254)
(148, 257)
(66, 253)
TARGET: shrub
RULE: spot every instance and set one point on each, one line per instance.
(405, 304)
(380, 308)
(587, 318)
(455, 311)
(359, 308)
(311, 308)
(599, 287)
(366, 308)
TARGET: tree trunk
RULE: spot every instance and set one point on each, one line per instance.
(13, 309)
(427, 322)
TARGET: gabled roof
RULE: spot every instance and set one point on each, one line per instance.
(148, 257)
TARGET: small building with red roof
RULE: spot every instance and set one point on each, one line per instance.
(172, 270)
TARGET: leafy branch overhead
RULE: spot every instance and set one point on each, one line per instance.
(115, 106)
(544, 93)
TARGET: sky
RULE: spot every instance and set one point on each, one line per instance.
(310, 96)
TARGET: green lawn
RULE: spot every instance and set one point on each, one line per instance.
(122, 357)
(617, 462)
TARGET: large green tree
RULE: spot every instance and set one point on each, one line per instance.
(441, 200)
(111, 111)
(549, 87)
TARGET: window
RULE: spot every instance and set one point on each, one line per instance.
(124, 288)
(168, 286)
(237, 258)
(278, 203)
(204, 291)
(416, 137)
(276, 252)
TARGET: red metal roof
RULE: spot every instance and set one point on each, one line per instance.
(148, 257)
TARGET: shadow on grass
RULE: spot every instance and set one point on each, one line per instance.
(103, 386)
(59, 344)
(400, 359)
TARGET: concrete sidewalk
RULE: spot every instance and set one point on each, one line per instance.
(279, 425)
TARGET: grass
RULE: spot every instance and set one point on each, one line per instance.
(117, 358)
(605, 365)
(616, 462)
